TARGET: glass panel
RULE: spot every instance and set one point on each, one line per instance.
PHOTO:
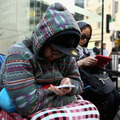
(18, 17)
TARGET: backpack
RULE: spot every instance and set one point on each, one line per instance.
(99, 82)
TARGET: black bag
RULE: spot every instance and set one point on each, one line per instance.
(100, 83)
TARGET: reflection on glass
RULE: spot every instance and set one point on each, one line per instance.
(18, 17)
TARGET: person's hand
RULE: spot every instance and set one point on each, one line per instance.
(89, 61)
(103, 65)
(62, 91)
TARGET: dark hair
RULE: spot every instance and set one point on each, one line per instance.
(113, 49)
(97, 42)
(82, 26)
(104, 43)
(87, 26)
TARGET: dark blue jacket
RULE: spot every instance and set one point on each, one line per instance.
(2, 58)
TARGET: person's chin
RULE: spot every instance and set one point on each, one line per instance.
(51, 59)
(82, 44)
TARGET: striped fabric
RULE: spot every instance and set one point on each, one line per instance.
(78, 110)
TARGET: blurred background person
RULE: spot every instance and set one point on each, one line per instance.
(105, 50)
(118, 51)
(96, 49)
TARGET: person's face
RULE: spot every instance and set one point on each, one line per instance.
(104, 46)
(51, 53)
(85, 36)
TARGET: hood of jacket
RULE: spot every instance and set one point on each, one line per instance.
(57, 19)
(81, 25)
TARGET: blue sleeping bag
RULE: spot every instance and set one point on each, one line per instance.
(5, 101)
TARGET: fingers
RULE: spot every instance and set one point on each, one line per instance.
(89, 61)
(66, 90)
(58, 91)
(102, 66)
(65, 81)
(62, 91)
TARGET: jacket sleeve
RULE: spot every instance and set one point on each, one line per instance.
(25, 94)
(72, 71)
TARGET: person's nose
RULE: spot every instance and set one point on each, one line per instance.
(85, 39)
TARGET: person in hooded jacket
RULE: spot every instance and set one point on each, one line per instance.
(36, 66)
(108, 105)
(96, 49)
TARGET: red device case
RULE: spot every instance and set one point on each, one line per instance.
(102, 59)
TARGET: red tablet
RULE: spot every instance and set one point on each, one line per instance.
(102, 59)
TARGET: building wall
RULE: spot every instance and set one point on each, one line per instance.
(18, 18)
(97, 31)
(14, 24)
(108, 10)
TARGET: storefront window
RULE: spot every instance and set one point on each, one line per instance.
(18, 17)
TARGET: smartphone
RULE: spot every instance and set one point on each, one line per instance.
(66, 86)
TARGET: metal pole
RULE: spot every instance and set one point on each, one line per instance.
(102, 27)
(113, 17)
